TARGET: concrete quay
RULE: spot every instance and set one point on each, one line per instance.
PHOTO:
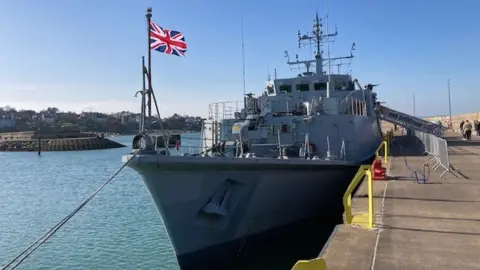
(435, 225)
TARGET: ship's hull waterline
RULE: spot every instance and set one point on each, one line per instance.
(212, 212)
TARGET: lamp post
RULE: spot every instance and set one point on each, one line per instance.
(39, 135)
(414, 107)
(449, 104)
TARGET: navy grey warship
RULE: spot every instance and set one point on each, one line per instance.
(275, 162)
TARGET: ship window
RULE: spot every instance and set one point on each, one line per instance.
(351, 85)
(270, 89)
(320, 86)
(286, 88)
(303, 87)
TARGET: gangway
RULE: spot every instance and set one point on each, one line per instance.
(408, 121)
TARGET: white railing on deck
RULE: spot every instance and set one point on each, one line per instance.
(224, 110)
(352, 104)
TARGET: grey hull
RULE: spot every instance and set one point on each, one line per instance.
(212, 214)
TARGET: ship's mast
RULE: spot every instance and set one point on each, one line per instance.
(319, 38)
(243, 69)
(317, 33)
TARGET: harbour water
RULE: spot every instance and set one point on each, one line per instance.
(119, 229)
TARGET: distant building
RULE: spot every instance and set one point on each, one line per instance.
(48, 117)
(94, 116)
(7, 119)
(67, 117)
(100, 117)
(127, 117)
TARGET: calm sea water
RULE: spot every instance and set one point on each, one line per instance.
(119, 229)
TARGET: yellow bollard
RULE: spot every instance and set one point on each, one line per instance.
(315, 264)
(365, 220)
(385, 147)
(368, 173)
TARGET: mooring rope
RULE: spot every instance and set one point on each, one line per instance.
(28, 251)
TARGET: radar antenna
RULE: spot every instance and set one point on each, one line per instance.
(319, 38)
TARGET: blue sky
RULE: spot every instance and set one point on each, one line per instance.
(86, 54)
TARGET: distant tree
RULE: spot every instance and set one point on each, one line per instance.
(52, 109)
(113, 122)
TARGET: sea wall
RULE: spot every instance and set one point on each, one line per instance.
(456, 119)
(29, 135)
(69, 144)
(23, 135)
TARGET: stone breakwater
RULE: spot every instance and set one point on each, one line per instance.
(73, 144)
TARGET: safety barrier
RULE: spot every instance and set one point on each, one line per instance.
(437, 151)
(388, 136)
(385, 146)
(364, 219)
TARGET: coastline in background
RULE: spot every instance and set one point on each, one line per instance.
(51, 119)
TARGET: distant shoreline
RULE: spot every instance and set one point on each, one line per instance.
(106, 133)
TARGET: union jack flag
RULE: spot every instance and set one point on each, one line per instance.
(167, 41)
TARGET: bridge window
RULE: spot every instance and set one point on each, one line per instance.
(351, 85)
(303, 87)
(270, 89)
(286, 88)
(320, 86)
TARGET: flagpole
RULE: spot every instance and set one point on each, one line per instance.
(144, 89)
(150, 93)
(148, 15)
(243, 68)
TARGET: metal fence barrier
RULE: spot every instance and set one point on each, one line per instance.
(437, 151)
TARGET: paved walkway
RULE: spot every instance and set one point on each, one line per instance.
(421, 226)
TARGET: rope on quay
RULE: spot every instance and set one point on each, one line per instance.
(28, 251)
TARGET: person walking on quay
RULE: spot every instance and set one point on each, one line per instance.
(476, 125)
(467, 130)
(461, 128)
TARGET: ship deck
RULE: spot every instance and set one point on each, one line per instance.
(417, 226)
